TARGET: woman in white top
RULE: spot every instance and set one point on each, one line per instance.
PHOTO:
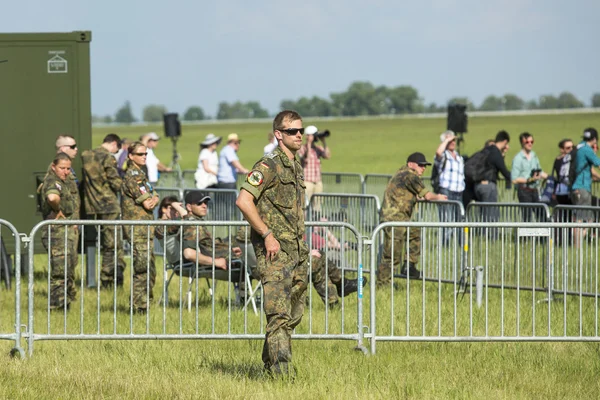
(208, 163)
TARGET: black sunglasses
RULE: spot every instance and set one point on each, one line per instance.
(72, 147)
(140, 154)
(292, 131)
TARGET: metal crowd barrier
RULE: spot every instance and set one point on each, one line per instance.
(168, 179)
(375, 184)
(10, 322)
(508, 212)
(188, 178)
(339, 182)
(215, 313)
(476, 307)
(359, 210)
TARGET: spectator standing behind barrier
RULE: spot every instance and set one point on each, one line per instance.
(526, 174)
(450, 168)
(486, 190)
(208, 163)
(121, 156)
(581, 188)
(229, 163)
(269, 148)
(310, 157)
(60, 201)
(560, 171)
(153, 164)
(138, 201)
(101, 186)
(399, 201)
(272, 201)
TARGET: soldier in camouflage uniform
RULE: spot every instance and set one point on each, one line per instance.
(399, 201)
(138, 200)
(101, 187)
(60, 201)
(272, 201)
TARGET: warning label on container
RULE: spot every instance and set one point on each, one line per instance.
(57, 64)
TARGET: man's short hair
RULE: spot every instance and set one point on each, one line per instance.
(502, 136)
(111, 138)
(523, 136)
(285, 115)
(61, 140)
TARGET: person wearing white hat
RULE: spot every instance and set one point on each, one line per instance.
(310, 157)
(208, 163)
(153, 164)
(229, 163)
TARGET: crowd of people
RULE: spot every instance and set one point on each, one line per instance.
(118, 183)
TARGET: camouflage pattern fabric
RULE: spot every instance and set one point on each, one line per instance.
(110, 238)
(62, 252)
(325, 273)
(134, 191)
(277, 184)
(101, 182)
(203, 240)
(399, 202)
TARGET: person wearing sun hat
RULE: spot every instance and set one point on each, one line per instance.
(229, 163)
(208, 162)
(399, 201)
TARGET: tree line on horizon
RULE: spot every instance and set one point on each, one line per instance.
(360, 99)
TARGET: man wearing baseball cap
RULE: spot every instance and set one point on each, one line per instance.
(310, 157)
(399, 201)
(153, 164)
(197, 241)
(229, 163)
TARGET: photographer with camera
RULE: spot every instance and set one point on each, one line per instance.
(527, 173)
(310, 158)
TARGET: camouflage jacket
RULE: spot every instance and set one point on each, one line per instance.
(101, 182)
(134, 191)
(277, 184)
(67, 190)
(400, 195)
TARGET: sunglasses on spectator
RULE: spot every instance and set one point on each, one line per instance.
(569, 148)
(140, 154)
(528, 141)
(292, 131)
(72, 147)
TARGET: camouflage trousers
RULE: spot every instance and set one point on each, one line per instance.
(325, 274)
(284, 283)
(110, 239)
(386, 268)
(62, 283)
(144, 270)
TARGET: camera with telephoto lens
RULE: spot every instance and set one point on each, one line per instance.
(324, 134)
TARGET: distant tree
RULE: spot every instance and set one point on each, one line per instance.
(240, 110)
(547, 102)
(124, 115)
(512, 102)
(596, 100)
(107, 119)
(153, 112)
(434, 108)
(568, 100)
(256, 111)
(194, 113)
(361, 98)
(491, 103)
(531, 105)
(403, 100)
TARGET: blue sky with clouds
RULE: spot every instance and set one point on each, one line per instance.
(183, 53)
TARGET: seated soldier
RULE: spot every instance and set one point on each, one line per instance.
(326, 254)
(196, 241)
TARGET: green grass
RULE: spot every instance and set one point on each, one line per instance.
(377, 145)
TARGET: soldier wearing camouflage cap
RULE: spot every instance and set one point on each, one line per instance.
(272, 201)
(399, 201)
(101, 185)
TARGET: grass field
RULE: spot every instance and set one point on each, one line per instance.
(378, 145)
(326, 369)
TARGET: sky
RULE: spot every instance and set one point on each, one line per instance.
(182, 53)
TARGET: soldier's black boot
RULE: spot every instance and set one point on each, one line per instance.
(411, 272)
(350, 286)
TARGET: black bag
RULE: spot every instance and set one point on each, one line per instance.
(571, 158)
(476, 166)
(435, 176)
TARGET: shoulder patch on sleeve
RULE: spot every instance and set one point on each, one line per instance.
(255, 178)
(58, 186)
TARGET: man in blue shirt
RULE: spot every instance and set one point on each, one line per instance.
(229, 163)
(581, 187)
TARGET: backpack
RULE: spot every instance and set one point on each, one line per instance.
(570, 159)
(476, 166)
(435, 175)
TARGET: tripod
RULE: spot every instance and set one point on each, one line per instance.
(175, 167)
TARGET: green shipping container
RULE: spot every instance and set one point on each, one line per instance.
(44, 92)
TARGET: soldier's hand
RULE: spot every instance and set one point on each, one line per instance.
(315, 253)
(272, 246)
(60, 215)
(442, 197)
(236, 251)
(220, 263)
